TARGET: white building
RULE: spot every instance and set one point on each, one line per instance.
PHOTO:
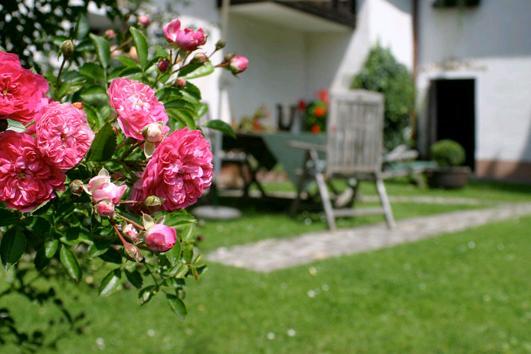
(474, 82)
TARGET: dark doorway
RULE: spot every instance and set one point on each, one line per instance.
(454, 114)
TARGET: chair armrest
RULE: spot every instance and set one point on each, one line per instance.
(401, 153)
(306, 146)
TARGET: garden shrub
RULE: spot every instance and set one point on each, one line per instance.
(98, 162)
(383, 73)
(448, 153)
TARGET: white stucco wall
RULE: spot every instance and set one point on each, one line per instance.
(287, 64)
(490, 44)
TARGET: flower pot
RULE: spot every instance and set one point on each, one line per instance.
(449, 177)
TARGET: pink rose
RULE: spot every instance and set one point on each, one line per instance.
(63, 135)
(179, 171)
(238, 64)
(136, 106)
(105, 208)
(27, 179)
(160, 238)
(186, 38)
(101, 188)
(22, 93)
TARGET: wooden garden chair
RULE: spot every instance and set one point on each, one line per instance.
(353, 150)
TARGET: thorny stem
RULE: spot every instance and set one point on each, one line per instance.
(58, 80)
(132, 222)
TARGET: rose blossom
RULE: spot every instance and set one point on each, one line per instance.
(63, 135)
(186, 38)
(179, 171)
(27, 179)
(160, 238)
(21, 91)
(136, 106)
(144, 20)
(101, 188)
(238, 64)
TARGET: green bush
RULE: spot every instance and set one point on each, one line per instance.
(383, 73)
(448, 153)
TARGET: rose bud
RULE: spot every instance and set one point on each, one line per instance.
(220, 44)
(153, 132)
(67, 48)
(131, 233)
(110, 34)
(152, 201)
(78, 105)
(163, 65)
(180, 82)
(105, 208)
(238, 64)
(200, 58)
(160, 238)
(76, 187)
(144, 20)
(133, 252)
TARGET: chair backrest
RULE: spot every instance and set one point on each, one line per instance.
(354, 133)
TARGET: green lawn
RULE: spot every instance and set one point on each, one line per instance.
(467, 292)
(263, 220)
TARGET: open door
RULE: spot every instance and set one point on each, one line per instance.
(453, 114)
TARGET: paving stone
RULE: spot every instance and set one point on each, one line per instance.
(274, 254)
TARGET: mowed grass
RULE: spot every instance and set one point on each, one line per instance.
(467, 292)
(264, 219)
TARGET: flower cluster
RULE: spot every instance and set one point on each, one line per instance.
(315, 112)
(33, 163)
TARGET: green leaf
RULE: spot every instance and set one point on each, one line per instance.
(7, 217)
(177, 305)
(12, 246)
(50, 248)
(92, 71)
(103, 50)
(204, 70)
(103, 145)
(82, 27)
(146, 294)
(94, 95)
(134, 278)
(110, 282)
(220, 125)
(127, 61)
(15, 126)
(69, 261)
(141, 46)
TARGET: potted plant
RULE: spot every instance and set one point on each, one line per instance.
(449, 156)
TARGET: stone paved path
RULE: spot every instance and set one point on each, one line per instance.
(274, 254)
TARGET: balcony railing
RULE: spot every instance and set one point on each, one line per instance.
(338, 11)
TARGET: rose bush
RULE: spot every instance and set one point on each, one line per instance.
(99, 160)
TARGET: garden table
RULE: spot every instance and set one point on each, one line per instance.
(268, 149)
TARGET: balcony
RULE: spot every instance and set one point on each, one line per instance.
(315, 15)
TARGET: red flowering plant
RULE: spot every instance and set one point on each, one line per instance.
(315, 112)
(100, 159)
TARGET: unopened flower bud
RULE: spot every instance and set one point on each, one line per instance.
(220, 44)
(131, 233)
(160, 238)
(67, 48)
(133, 252)
(105, 208)
(153, 132)
(201, 58)
(180, 82)
(238, 64)
(144, 20)
(76, 187)
(163, 65)
(152, 201)
(78, 105)
(110, 34)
